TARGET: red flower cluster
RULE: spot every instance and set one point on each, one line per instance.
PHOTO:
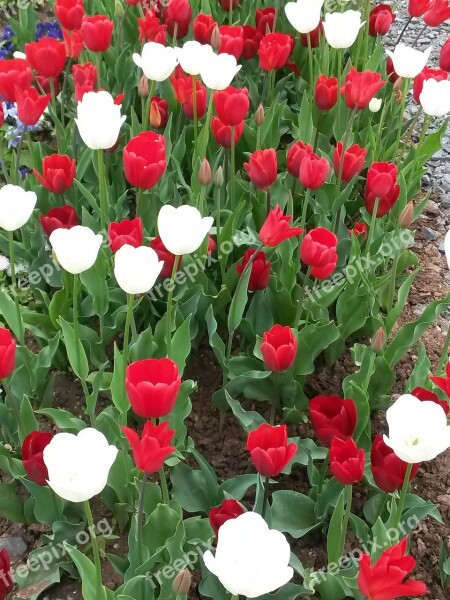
(150, 29)
(222, 133)
(232, 105)
(30, 105)
(269, 449)
(177, 16)
(295, 155)
(438, 12)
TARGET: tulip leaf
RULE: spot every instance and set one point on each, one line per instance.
(334, 531)
(239, 301)
(118, 393)
(86, 569)
(11, 506)
(75, 351)
(63, 419)
(8, 313)
(293, 513)
(181, 344)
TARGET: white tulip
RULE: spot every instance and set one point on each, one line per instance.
(76, 249)
(408, 62)
(16, 206)
(192, 56)
(78, 465)
(250, 558)
(304, 15)
(157, 61)
(435, 97)
(99, 120)
(219, 70)
(136, 269)
(183, 229)
(375, 105)
(341, 29)
(447, 247)
(418, 430)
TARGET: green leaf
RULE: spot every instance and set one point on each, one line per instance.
(335, 530)
(78, 360)
(87, 572)
(293, 513)
(239, 301)
(11, 506)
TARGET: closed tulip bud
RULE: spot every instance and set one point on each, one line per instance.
(215, 38)
(155, 115)
(270, 449)
(346, 461)
(118, 9)
(406, 217)
(408, 62)
(375, 105)
(182, 582)
(259, 115)
(219, 178)
(143, 90)
(378, 340)
(204, 173)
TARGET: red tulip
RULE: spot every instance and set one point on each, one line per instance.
(84, 78)
(163, 254)
(231, 40)
(6, 582)
(144, 159)
(181, 85)
(260, 270)
(390, 71)
(275, 50)
(151, 30)
(444, 56)
(69, 13)
(279, 348)
(47, 56)
(127, 231)
(387, 469)
(7, 353)
(33, 456)
(232, 105)
(332, 416)
(222, 133)
(385, 579)
(177, 14)
(427, 396)
(14, 73)
(380, 20)
(427, 73)
(325, 95)
(203, 27)
(264, 18)
(313, 171)
(229, 509)
(359, 229)
(438, 12)
(188, 106)
(262, 168)
(252, 40)
(30, 105)
(295, 155)
(160, 108)
(385, 203)
(346, 461)
(152, 449)
(97, 32)
(314, 37)
(58, 173)
(73, 43)
(276, 228)
(443, 382)
(417, 8)
(381, 183)
(269, 449)
(361, 87)
(318, 250)
(225, 4)
(152, 386)
(60, 217)
(351, 164)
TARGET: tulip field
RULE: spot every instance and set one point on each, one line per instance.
(224, 369)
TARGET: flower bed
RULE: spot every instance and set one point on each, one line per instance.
(237, 183)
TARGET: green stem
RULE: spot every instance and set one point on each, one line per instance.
(372, 226)
(323, 473)
(164, 488)
(194, 107)
(392, 283)
(230, 12)
(126, 336)
(202, 150)
(76, 332)
(339, 78)
(273, 408)
(298, 314)
(169, 305)
(15, 405)
(348, 507)
(344, 147)
(15, 288)
(316, 137)
(19, 153)
(63, 91)
(369, 372)
(311, 64)
(218, 233)
(98, 60)
(103, 189)
(258, 137)
(306, 201)
(402, 112)
(140, 519)
(233, 170)
(146, 115)
(444, 354)
(401, 502)
(381, 506)
(266, 496)
(95, 550)
(3, 163)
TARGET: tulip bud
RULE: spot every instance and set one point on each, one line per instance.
(204, 173)
(375, 105)
(406, 217)
(219, 178)
(259, 115)
(118, 9)
(378, 340)
(155, 115)
(215, 38)
(143, 90)
(182, 582)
